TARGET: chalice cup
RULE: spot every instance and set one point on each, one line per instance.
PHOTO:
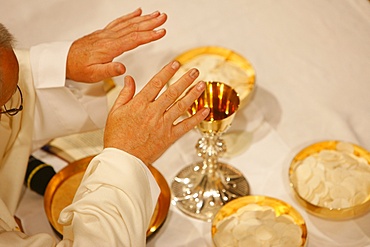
(202, 188)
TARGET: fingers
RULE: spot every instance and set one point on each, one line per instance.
(186, 125)
(126, 94)
(140, 23)
(135, 39)
(143, 24)
(100, 72)
(133, 30)
(155, 85)
(182, 105)
(124, 18)
(151, 91)
(176, 90)
(136, 23)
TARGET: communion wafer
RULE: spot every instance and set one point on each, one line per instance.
(256, 225)
(215, 68)
(334, 178)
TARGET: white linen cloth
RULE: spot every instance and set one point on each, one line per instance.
(312, 68)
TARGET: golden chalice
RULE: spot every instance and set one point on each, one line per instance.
(201, 189)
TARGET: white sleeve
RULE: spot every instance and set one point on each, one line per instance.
(63, 106)
(10, 235)
(113, 205)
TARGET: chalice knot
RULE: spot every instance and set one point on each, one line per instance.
(210, 146)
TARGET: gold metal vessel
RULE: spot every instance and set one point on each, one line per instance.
(202, 188)
(63, 186)
(217, 63)
(280, 207)
(326, 212)
(223, 102)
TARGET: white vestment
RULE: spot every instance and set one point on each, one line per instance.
(118, 194)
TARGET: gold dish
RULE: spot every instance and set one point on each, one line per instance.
(62, 187)
(281, 208)
(217, 63)
(317, 209)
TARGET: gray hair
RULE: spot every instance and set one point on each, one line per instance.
(6, 38)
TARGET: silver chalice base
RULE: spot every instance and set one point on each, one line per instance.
(200, 193)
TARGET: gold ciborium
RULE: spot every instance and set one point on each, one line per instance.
(202, 188)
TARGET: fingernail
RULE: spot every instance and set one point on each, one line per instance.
(155, 13)
(201, 85)
(119, 69)
(160, 16)
(194, 73)
(159, 30)
(205, 112)
(175, 65)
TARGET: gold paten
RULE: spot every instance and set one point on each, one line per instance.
(243, 83)
(324, 212)
(63, 186)
(280, 207)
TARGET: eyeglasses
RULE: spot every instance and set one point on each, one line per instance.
(18, 102)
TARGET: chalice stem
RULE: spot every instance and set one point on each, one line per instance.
(210, 147)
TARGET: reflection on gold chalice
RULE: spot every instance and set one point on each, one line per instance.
(201, 189)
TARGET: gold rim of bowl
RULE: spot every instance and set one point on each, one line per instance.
(245, 89)
(320, 211)
(280, 207)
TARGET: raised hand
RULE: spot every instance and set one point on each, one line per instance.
(143, 125)
(90, 58)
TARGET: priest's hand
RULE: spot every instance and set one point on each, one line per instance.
(90, 58)
(144, 125)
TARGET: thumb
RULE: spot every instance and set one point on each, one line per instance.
(126, 94)
(108, 70)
